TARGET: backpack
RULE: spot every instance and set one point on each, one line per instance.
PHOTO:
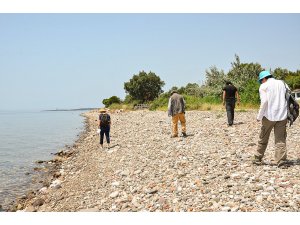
(104, 118)
(292, 106)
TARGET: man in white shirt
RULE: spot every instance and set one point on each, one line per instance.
(273, 114)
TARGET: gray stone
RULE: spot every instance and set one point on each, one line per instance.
(89, 210)
(38, 202)
(210, 170)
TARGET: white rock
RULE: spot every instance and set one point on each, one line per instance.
(270, 188)
(114, 194)
(226, 209)
(115, 184)
(135, 202)
(56, 184)
(43, 190)
(259, 199)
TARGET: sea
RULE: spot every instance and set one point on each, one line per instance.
(29, 136)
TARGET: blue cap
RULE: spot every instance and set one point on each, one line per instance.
(263, 74)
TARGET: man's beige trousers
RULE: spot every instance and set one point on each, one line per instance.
(181, 118)
(280, 138)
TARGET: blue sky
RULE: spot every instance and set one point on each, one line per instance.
(50, 61)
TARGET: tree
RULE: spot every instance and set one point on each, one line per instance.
(192, 89)
(280, 73)
(109, 101)
(293, 81)
(241, 73)
(291, 78)
(144, 87)
(180, 90)
(214, 82)
(250, 93)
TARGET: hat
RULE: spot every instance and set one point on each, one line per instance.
(263, 74)
(102, 110)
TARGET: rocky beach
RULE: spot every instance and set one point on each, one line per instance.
(146, 170)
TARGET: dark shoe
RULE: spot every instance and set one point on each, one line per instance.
(184, 134)
(256, 161)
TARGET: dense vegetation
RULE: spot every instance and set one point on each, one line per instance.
(109, 101)
(147, 88)
(144, 87)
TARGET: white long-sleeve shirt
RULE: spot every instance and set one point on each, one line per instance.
(273, 103)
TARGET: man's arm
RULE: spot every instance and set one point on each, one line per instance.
(237, 97)
(169, 107)
(263, 103)
(224, 94)
(184, 103)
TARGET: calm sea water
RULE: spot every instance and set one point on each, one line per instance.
(26, 137)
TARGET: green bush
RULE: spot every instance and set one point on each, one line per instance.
(250, 94)
(116, 106)
(192, 102)
(207, 96)
(160, 103)
(109, 101)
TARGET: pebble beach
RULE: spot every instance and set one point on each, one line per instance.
(146, 170)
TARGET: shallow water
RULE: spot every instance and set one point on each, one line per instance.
(26, 137)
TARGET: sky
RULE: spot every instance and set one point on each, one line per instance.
(75, 60)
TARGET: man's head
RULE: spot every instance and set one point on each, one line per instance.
(102, 110)
(228, 83)
(263, 76)
(174, 91)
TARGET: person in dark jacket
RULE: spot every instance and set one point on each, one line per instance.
(230, 96)
(104, 125)
(176, 109)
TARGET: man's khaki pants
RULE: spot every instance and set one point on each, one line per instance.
(175, 118)
(280, 139)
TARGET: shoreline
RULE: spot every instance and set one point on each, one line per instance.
(48, 169)
(146, 170)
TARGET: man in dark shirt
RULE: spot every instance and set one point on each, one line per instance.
(104, 125)
(230, 95)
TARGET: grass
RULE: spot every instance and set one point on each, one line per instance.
(126, 107)
(192, 103)
(212, 107)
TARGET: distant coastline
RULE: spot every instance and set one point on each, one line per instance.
(79, 109)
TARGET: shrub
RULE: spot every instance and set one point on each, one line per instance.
(109, 101)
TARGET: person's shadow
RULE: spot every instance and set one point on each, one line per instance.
(112, 146)
(294, 162)
(289, 163)
(238, 123)
(187, 135)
